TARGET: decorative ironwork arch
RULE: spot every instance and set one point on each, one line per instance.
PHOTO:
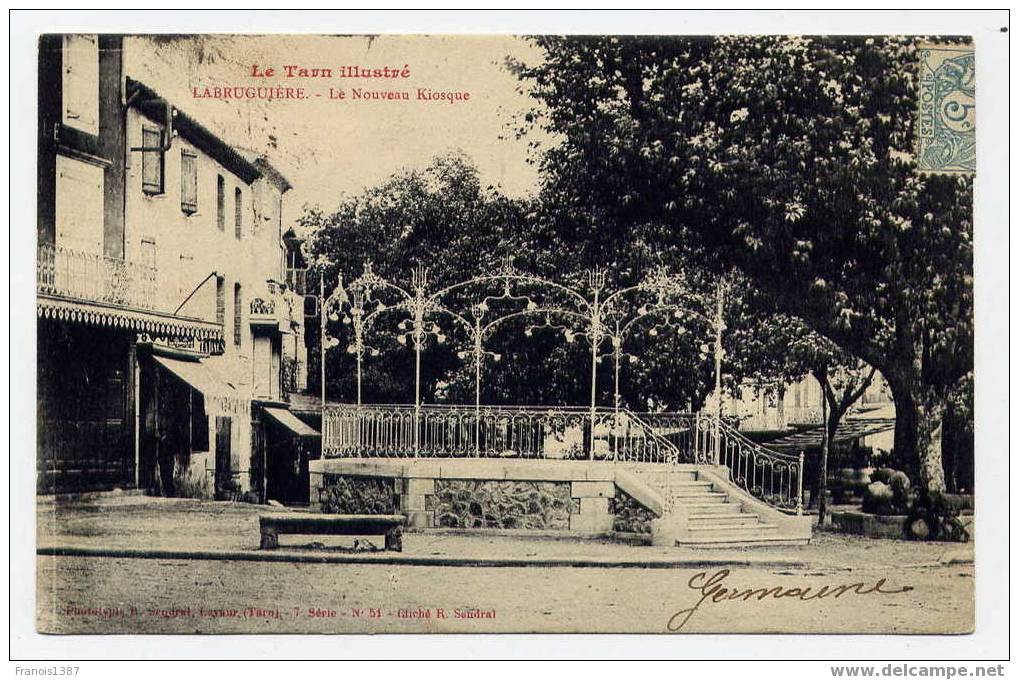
(596, 313)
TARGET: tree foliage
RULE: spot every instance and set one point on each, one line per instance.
(789, 159)
(441, 216)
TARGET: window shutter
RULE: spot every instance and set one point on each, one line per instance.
(80, 86)
(237, 314)
(188, 181)
(238, 213)
(220, 300)
(220, 202)
(152, 161)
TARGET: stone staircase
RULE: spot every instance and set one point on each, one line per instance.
(710, 511)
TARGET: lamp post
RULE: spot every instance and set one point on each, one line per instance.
(357, 299)
(596, 279)
(479, 354)
(418, 304)
(719, 354)
(337, 297)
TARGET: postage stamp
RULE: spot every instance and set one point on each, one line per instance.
(946, 121)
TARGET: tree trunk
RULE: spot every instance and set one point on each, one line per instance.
(780, 405)
(904, 446)
(832, 418)
(932, 472)
(918, 414)
(950, 450)
(822, 465)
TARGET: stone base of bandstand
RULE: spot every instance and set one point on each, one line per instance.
(592, 485)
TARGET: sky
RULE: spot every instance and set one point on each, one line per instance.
(330, 147)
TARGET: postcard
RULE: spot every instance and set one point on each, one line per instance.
(505, 334)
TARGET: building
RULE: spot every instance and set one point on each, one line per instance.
(795, 405)
(166, 330)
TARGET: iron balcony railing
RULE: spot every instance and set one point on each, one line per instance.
(93, 277)
(562, 433)
(289, 376)
(270, 308)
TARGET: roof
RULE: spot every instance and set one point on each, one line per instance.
(291, 422)
(220, 397)
(273, 175)
(268, 170)
(848, 430)
(150, 104)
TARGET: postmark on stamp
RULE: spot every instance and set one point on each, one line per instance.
(946, 117)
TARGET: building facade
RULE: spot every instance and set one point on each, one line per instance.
(164, 318)
(795, 405)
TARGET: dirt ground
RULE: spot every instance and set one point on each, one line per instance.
(123, 595)
(201, 596)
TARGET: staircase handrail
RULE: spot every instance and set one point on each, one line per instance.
(672, 449)
(747, 462)
(730, 431)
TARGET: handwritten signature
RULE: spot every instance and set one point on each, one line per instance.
(712, 590)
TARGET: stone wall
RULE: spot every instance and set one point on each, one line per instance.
(508, 504)
(506, 495)
(353, 495)
(470, 503)
(629, 516)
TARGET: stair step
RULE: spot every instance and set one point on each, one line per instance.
(720, 519)
(672, 478)
(678, 474)
(711, 508)
(733, 528)
(701, 496)
(732, 542)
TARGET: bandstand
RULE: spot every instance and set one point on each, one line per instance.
(688, 478)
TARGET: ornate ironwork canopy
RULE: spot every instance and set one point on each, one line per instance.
(605, 317)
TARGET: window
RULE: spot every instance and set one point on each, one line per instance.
(188, 181)
(220, 202)
(148, 252)
(152, 161)
(80, 83)
(199, 422)
(238, 213)
(79, 206)
(220, 300)
(237, 314)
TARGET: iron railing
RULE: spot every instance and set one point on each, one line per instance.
(263, 307)
(289, 375)
(563, 433)
(94, 277)
(690, 433)
(774, 477)
(449, 431)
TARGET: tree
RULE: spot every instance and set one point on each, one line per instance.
(842, 384)
(791, 160)
(440, 216)
(443, 217)
(766, 349)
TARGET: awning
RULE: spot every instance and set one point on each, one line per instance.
(150, 322)
(220, 398)
(290, 421)
(847, 431)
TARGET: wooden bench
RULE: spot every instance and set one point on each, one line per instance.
(337, 525)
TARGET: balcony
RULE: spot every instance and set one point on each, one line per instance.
(270, 309)
(95, 278)
(81, 287)
(263, 311)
